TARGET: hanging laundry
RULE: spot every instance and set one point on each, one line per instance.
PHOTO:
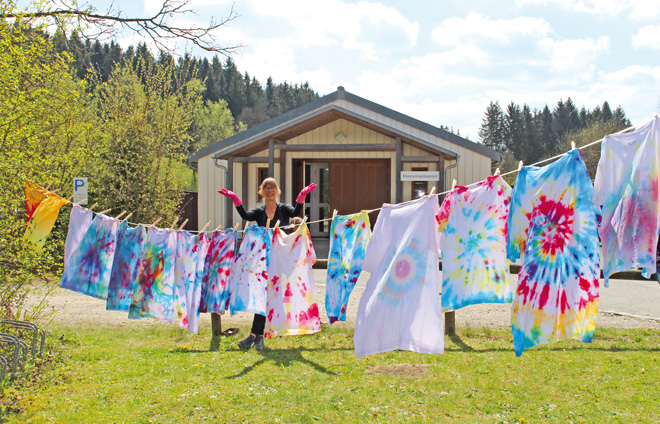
(194, 292)
(79, 221)
(349, 237)
(42, 221)
(290, 305)
(89, 267)
(130, 241)
(626, 185)
(553, 226)
(153, 292)
(215, 283)
(188, 288)
(472, 224)
(400, 308)
(249, 272)
(33, 196)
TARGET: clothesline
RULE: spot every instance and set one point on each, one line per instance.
(402, 203)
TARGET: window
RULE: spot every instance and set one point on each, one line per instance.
(419, 188)
(262, 174)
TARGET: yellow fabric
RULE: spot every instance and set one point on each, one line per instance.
(43, 220)
(33, 196)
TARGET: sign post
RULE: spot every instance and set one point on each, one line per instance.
(80, 190)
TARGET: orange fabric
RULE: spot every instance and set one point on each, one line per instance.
(33, 196)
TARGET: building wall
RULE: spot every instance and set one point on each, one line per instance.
(471, 168)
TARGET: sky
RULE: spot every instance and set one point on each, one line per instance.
(443, 62)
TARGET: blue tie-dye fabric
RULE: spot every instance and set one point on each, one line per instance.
(125, 267)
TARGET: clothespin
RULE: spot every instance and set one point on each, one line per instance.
(120, 215)
(304, 220)
(219, 227)
(236, 226)
(277, 224)
(267, 223)
(105, 211)
(497, 171)
(128, 216)
(183, 225)
(247, 224)
(70, 198)
(520, 165)
(205, 227)
(656, 115)
(156, 222)
(573, 146)
(432, 191)
(453, 184)
(92, 207)
(174, 223)
(55, 191)
(334, 214)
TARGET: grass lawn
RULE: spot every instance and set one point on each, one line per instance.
(162, 375)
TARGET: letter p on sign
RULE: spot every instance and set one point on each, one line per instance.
(80, 190)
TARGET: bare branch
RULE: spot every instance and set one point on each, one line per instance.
(155, 27)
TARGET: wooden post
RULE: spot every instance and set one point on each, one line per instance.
(230, 186)
(450, 323)
(271, 158)
(441, 178)
(283, 176)
(398, 195)
(216, 325)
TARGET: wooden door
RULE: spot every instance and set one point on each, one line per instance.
(359, 184)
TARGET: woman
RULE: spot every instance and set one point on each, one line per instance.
(273, 211)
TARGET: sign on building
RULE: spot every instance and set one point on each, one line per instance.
(420, 175)
(80, 190)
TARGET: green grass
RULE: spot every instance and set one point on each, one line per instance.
(158, 374)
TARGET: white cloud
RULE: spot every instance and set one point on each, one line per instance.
(638, 9)
(574, 55)
(647, 37)
(456, 30)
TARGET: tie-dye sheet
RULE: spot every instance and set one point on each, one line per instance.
(33, 196)
(349, 237)
(130, 241)
(79, 221)
(472, 223)
(42, 221)
(191, 250)
(89, 268)
(553, 226)
(153, 293)
(400, 308)
(627, 185)
(249, 273)
(290, 305)
(215, 283)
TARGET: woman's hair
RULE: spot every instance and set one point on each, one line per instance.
(296, 220)
(268, 181)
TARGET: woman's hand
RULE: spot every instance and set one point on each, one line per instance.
(304, 192)
(234, 198)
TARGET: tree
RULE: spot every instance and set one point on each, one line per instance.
(213, 122)
(513, 130)
(492, 131)
(67, 13)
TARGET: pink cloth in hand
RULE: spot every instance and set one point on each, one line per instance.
(304, 192)
(231, 195)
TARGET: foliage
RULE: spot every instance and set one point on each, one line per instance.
(212, 122)
(46, 136)
(145, 123)
(119, 374)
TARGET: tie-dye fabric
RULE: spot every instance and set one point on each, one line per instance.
(472, 223)
(627, 185)
(553, 226)
(33, 196)
(249, 273)
(194, 292)
(79, 221)
(400, 308)
(187, 294)
(215, 283)
(42, 221)
(153, 293)
(89, 268)
(290, 305)
(125, 267)
(349, 237)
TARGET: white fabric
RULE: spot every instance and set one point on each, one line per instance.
(400, 308)
(79, 221)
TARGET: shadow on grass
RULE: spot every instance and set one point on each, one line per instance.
(460, 343)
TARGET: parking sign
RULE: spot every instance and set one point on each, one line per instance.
(80, 190)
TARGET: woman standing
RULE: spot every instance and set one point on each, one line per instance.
(273, 211)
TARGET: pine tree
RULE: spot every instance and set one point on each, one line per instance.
(492, 131)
